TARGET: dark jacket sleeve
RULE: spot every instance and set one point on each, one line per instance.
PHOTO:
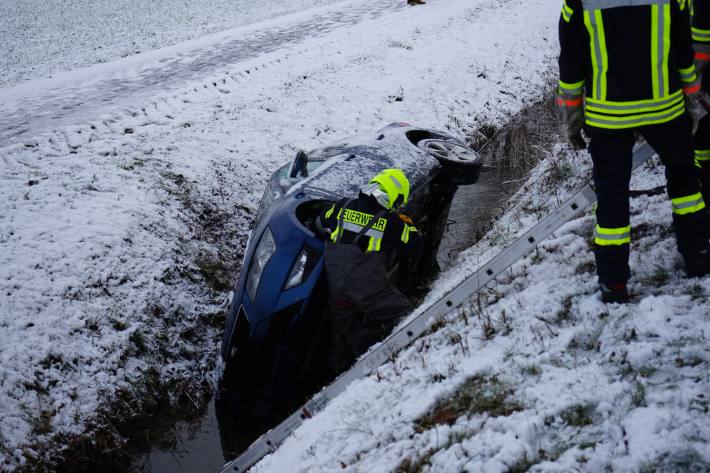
(701, 22)
(682, 45)
(574, 54)
(701, 38)
(411, 247)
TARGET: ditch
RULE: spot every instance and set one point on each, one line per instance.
(193, 443)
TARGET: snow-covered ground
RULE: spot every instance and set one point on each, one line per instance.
(117, 231)
(71, 97)
(536, 373)
(39, 38)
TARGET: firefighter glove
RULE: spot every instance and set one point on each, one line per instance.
(695, 109)
(572, 115)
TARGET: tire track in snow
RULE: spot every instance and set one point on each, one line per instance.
(38, 107)
(167, 107)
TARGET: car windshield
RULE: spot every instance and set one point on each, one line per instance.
(278, 186)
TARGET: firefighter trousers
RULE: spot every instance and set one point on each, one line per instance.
(611, 153)
(702, 155)
(363, 305)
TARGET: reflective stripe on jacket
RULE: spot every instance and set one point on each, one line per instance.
(354, 221)
(631, 60)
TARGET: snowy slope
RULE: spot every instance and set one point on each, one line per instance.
(536, 373)
(71, 97)
(40, 37)
(118, 234)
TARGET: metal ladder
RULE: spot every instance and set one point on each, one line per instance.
(400, 339)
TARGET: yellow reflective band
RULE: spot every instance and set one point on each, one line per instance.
(660, 48)
(702, 155)
(633, 107)
(666, 48)
(654, 52)
(688, 204)
(374, 244)
(572, 89)
(612, 236)
(357, 229)
(600, 61)
(338, 229)
(362, 219)
(701, 36)
(681, 4)
(631, 121)
(688, 76)
(330, 211)
(334, 235)
(406, 231)
(566, 12)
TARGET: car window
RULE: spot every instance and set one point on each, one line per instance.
(278, 185)
(313, 165)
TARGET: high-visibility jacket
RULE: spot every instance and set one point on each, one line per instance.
(629, 61)
(392, 232)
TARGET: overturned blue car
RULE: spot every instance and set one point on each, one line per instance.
(274, 338)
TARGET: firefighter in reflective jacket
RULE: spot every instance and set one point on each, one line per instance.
(368, 240)
(701, 43)
(628, 66)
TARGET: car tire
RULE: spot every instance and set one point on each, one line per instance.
(460, 164)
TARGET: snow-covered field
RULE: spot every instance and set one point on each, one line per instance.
(41, 37)
(119, 232)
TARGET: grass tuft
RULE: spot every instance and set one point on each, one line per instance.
(138, 341)
(413, 465)
(477, 395)
(215, 273)
(579, 415)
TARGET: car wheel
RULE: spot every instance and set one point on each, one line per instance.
(461, 165)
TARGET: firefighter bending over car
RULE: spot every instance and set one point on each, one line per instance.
(628, 67)
(701, 43)
(369, 241)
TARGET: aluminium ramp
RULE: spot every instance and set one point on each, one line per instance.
(400, 339)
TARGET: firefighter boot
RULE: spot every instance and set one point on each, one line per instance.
(705, 184)
(617, 293)
(697, 264)
(613, 272)
(692, 237)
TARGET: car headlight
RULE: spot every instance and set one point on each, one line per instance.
(264, 250)
(306, 261)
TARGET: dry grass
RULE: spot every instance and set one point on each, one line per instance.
(516, 147)
(478, 395)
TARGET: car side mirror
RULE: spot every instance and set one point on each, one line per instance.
(299, 165)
